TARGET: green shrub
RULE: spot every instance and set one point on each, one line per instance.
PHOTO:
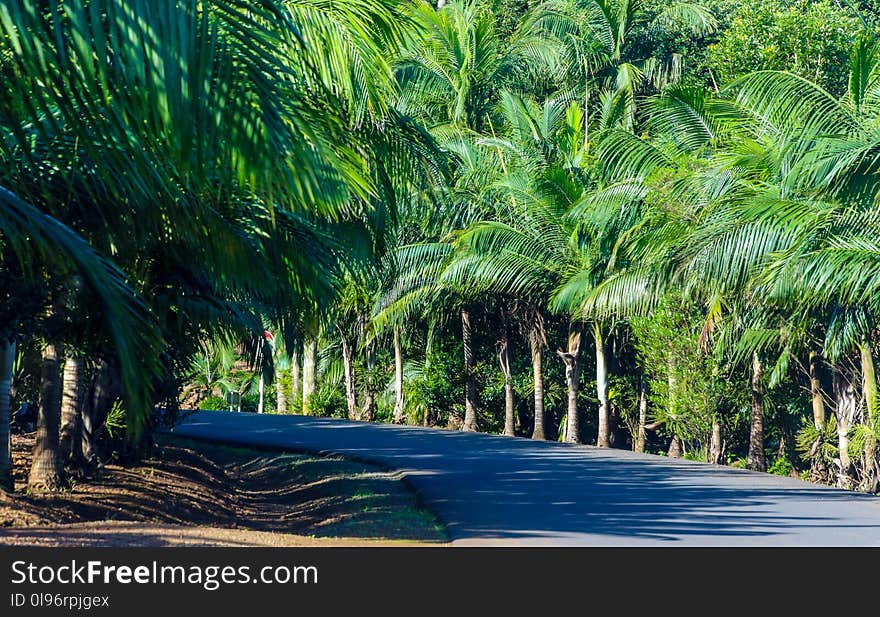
(780, 467)
(327, 402)
(250, 403)
(214, 403)
(697, 454)
(810, 38)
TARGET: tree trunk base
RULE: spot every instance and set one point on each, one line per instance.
(675, 448)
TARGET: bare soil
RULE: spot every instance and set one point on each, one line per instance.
(194, 493)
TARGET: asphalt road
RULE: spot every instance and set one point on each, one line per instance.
(501, 490)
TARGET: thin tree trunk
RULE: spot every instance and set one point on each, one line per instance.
(470, 384)
(310, 372)
(675, 446)
(642, 435)
(350, 386)
(71, 402)
(369, 409)
(816, 390)
(105, 389)
(818, 468)
(845, 411)
(870, 478)
(571, 359)
(604, 437)
(280, 396)
(399, 416)
(429, 339)
(782, 450)
(88, 429)
(757, 461)
(7, 365)
(716, 443)
(295, 381)
(615, 435)
(46, 471)
(504, 363)
(536, 345)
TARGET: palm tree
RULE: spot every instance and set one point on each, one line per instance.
(597, 54)
(452, 70)
(452, 73)
(522, 259)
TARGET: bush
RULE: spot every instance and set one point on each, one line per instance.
(780, 467)
(811, 39)
(328, 402)
(214, 403)
(250, 403)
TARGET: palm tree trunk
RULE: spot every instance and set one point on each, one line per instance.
(280, 396)
(398, 379)
(369, 410)
(536, 346)
(716, 443)
(818, 399)
(818, 468)
(675, 448)
(642, 436)
(350, 386)
(604, 437)
(504, 364)
(870, 474)
(7, 365)
(71, 401)
(88, 430)
(46, 471)
(310, 372)
(571, 359)
(846, 407)
(103, 392)
(470, 384)
(757, 461)
(295, 382)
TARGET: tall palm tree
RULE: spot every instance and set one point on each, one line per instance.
(520, 253)
(453, 68)
(597, 54)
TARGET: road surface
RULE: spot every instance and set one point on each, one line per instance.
(502, 490)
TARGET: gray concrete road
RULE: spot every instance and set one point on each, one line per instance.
(500, 490)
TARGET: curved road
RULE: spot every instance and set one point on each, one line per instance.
(501, 490)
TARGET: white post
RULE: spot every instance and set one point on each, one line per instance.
(260, 406)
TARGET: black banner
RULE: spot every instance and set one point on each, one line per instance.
(327, 581)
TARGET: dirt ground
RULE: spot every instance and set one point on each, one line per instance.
(197, 494)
